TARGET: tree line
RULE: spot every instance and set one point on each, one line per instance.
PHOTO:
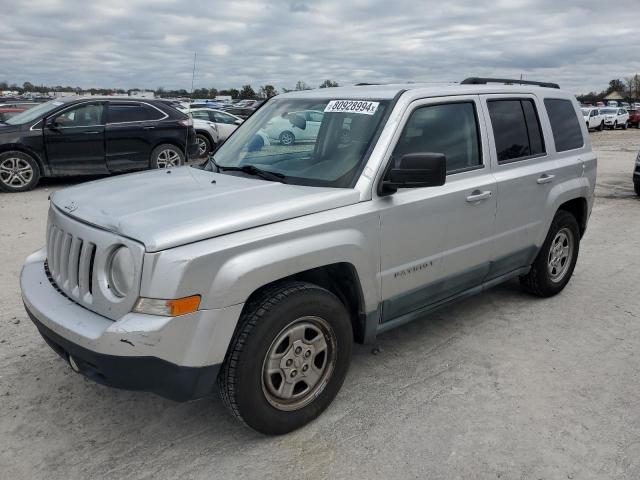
(628, 88)
(246, 92)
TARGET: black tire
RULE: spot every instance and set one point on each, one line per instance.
(601, 126)
(636, 187)
(539, 281)
(166, 156)
(204, 140)
(242, 381)
(624, 127)
(19, 172)
(615, 125)
(287, 138)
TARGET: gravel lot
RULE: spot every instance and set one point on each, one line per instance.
(501, 386)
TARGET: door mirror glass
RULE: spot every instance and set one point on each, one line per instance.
(415, 170)
(237, 122)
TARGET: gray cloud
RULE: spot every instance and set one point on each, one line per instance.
(142, 43)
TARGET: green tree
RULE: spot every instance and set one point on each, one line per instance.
(268, 91)
(247, 93)
(300, 85)
(329, 84)
(616, 85)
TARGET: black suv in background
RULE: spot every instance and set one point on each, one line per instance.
(95, 135)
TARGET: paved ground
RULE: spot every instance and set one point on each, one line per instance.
(502, 386)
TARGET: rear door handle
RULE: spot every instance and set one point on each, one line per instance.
(92, 132)
(477, 196)
(148, 127)
(545, 178)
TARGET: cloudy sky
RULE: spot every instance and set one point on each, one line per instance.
(150, 44)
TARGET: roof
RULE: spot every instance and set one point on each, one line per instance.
(613, 96)
(389, 91)
(79, 98)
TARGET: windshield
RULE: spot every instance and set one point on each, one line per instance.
(309, 141)
(34, 113)
(608, 111)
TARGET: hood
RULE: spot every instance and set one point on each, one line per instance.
(9, 128)
(168, 208)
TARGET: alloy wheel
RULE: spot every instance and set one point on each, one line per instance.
(15, 172)
(168, 158)
(299, 363)
(202, 146)
(560, 254)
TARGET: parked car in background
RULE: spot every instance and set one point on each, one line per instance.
(286, 130)
(593, 118)
(634, 117)
(225, 121)
(207, 136)
(612, 103)
(8, 112)
(615, 117)
(96, 135)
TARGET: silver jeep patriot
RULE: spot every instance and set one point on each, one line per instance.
(328, 217)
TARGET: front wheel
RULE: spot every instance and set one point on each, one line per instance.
(204, 145)
(288, 358)
(624, 126)
(166, 156)
(19, 172)
(601, 126)
(553, 267)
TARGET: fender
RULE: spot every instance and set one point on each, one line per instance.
(45, 171)
(226, 270)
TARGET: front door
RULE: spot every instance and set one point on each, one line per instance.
(436, 242)
(74, 140)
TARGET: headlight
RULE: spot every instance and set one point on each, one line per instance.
(121, 272)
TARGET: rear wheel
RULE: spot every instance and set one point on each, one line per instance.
(287, 138)
(19, 172)
(553, 267)
(288, 358)
(166, 156)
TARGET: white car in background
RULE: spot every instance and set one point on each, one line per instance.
(282, 129)
(593, 118)
(615, 117)
(225, 122)
(207, 136)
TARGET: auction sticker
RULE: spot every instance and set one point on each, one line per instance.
(352, 106)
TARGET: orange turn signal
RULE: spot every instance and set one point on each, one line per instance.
(182, 306)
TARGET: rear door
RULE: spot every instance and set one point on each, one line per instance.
(131, 133)
(436, 241)
(525, 173)
(74, 140)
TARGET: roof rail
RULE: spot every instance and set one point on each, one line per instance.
(364, 84)
(506, 81)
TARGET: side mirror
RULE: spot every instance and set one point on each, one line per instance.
(297, 121)
(51, 123)
(414, 170)
(237, 122)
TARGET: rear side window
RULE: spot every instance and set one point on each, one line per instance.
(132, 112)
(564, 124)
(451, 129)
(516, 129)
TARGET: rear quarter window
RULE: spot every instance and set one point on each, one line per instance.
(565, 126)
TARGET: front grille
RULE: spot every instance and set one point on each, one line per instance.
(70, 260)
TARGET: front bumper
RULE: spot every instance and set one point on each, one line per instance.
(176, 357)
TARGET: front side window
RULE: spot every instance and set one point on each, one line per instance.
(201, 114)
(516, 129)
(86, 115)
(278, 138)
(132, 112)
(564, 124)
(450, 129)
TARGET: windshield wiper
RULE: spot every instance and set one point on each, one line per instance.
(250, 170)
(253, 170)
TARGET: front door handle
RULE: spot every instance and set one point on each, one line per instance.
(545, 178)
(92, 132)
(477, 196)
(148, 127)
